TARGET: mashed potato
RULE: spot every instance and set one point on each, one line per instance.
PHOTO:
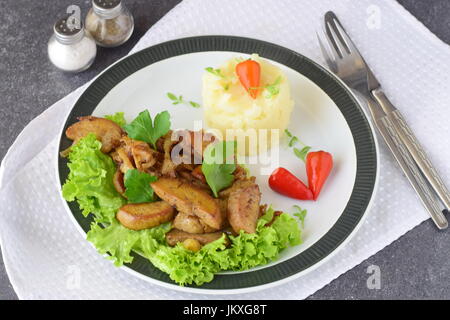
(227, 105)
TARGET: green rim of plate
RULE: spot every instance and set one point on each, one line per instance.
(351, 110)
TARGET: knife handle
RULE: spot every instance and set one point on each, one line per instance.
(407, 164)
(415, 149)
(411, 171)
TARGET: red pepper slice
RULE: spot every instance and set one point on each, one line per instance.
(284, 182)
(318, 168)
(249, 74)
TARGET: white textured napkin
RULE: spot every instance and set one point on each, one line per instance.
(45, 255)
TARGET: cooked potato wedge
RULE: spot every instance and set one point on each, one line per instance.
(106, 131)
(140, 216)
(190, 199)
(243, 209)
(174, 236)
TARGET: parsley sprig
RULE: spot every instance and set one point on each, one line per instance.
(179, 100)
(301, 153)
(138, 188)
(144, 129)
(300, 214)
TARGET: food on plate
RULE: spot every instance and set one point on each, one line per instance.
(178, 99)
(231, 102)
(175, 236)
(123, 160)
(138, 216)
(285, 183)
(318, 168)
(106, 131)
(118, 182)
(238, 184)
(192, 245)
(197, 173)
(189, 199)
(90, 180)
(190, 223)
(177, 214)
(219, 173)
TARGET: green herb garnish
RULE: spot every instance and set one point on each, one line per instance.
(118, 117)
(300, 214)
(174, 98)
(194, 104)
(293, 141)
(288, 133)
(142, 128)
(272, 89)
(216, 72)
(217, 170)
(179, 100)
(301, 153)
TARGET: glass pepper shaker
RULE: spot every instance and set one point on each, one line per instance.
(71, 49)
(109, 22)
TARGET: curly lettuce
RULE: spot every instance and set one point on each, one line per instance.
(244, 251)
(116, 242)
(90, 180)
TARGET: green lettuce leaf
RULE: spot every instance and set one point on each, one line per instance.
(118, 241)
(138, 189)
(115, 240)
(118, 117)
(90, 181)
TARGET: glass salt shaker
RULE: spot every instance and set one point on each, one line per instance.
(71, 49)
(109, 22)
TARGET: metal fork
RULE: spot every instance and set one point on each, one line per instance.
(344, 59)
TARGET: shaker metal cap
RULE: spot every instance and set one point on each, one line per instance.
(107, 9)
(66, 33)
